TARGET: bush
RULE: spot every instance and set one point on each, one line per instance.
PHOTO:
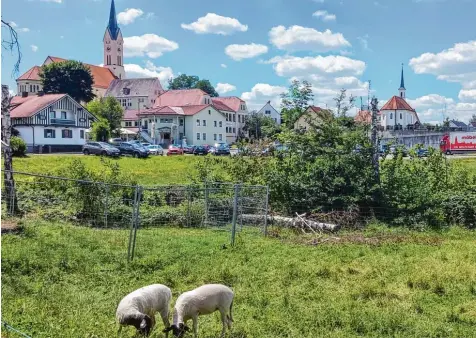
(18, 146)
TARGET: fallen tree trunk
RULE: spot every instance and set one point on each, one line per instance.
(291, 222)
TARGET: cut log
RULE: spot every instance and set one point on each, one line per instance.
(290, 222)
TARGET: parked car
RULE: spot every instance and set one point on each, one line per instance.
(133, 149)
(200, 150)
(115, 141)
(422, 152)
(222, 149)
(156, 149)
(145, 144)
(100, 148)
(174, 149)
(188, 149)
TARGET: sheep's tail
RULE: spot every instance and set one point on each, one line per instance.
(230, 317)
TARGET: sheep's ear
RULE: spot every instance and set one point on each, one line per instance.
(186, 328)
(167, 329)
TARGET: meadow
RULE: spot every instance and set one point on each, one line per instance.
(60, 280)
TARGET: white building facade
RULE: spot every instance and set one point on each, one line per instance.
(269, 111)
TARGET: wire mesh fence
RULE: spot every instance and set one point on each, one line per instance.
(223, 206)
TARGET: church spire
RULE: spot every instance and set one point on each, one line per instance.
(402, 89)
(113, 27)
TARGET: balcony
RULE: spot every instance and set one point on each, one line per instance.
(63, 122)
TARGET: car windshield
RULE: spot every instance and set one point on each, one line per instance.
(153, 147)
(105, 145)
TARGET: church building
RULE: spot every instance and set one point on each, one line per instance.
(29, 83)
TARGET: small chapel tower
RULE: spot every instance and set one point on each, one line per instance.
(114, 46)
(402, 89)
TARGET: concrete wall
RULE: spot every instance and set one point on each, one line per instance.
(410, 139)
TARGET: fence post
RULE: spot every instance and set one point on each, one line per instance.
(206, 203)
(235, 212)
(133, 220)
(137, 219)
(266, 212)
(106, 204)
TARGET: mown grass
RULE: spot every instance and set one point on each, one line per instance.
(154, 170)
(64, 281)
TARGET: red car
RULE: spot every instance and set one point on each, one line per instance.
(174, 150)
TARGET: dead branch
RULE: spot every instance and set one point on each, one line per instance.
(11, 44)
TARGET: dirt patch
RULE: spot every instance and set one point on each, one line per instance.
(9, 226)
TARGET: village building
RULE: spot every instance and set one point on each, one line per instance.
(135, 94)
(312, 116)
(50, 122)
(236, 112)
(269, 111)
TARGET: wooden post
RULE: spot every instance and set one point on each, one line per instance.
(8, 180)
(375, 159)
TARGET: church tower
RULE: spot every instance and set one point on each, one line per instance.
(114, 46)
(402, 89)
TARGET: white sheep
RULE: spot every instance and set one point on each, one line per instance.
(202, 301)
(139, 307)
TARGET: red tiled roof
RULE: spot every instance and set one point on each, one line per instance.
(231, 101)
(179, 98)
(130, 114)
(397, 103)
(31, 74)
(168, 110)
(30, 105)
(220, 105)
(315, 109)
(364, 116)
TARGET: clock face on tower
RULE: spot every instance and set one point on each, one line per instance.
(108, 48)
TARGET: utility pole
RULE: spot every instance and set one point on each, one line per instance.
(375, 159)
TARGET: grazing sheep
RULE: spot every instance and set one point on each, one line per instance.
(202, 301)
(140, 306)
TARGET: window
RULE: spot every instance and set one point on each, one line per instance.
(119, 61)
(204, 136)
(108, 59)
(234, 130)
(136, 123)
(37, 88)
(198, 123)
(141, 100)
(391, 116)
(268, 112)
(63, 115)
(209, 112)
(181, 122)
(214, 137)
(181, 136)
(220, 137)
(234, 117)
(214, 123)
(204, 123)
(50, 133)
(128, 123)
(226, 130)
(52, 114)
(220, 124)
(67, 133)
(400, 116)
(127, 91)
(276, 120)
(198, 136)
(81, 134)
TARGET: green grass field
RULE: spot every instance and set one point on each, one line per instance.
(66, 281)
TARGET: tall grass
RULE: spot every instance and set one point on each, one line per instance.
(65, 281)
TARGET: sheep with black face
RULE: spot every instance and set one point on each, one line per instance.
(139, 307)
(203, 300)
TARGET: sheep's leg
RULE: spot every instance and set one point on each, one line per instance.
(165, 319)
(224, 321)
(119, 331)
(195, 326)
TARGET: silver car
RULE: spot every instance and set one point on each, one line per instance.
(100, 148)
(156, 150)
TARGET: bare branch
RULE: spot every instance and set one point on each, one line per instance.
(12, 44)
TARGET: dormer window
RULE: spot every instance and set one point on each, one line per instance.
(126, 91)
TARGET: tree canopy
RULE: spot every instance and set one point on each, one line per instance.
(295, 101)
(260, 126)
(68, 77)
(185, 81)
(100, 130)
(109, 109)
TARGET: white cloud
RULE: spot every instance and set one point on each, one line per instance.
(215, 24)
(34, 48)
(467, 95)
(223, 65)
(364, 41)
(150, 70)
(296, 38)
(129, 16)
(430, 100)
(223, 88)
(324, 15)
(331, 65)
(240, 52)
(13, 24)
(148, 44)
(262, 93)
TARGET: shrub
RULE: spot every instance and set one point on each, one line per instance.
(18, 146)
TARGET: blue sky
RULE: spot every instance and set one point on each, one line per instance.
(253, 48)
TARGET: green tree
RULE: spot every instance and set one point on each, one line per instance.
(109, 109)
(295, 101)
(18, 146)
(185, 81)
(260, 126)
(68, 77)
(343, 105)
(100, 130)
(473, 119)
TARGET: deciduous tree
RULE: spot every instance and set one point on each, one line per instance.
(295, 101)
(185, 81)
(109, 109)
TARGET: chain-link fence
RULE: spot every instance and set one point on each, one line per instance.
(212, 205)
